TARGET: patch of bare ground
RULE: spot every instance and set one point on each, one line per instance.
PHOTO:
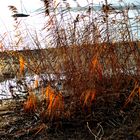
(107, 120)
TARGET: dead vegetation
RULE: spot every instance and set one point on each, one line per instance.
(99, 56)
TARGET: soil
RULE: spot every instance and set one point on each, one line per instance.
(106, 121)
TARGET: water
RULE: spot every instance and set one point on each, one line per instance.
(21, 87)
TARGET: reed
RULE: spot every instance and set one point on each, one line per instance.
(97, 52)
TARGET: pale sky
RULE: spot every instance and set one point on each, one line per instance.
(5, 14)
(31, 6)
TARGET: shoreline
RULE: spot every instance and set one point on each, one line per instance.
(48, 59)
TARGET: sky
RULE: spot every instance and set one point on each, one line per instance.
(25, 6)
(30, 7)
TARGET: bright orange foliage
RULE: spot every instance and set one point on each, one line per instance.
(96, 67)
(36, 83)
(132, 94)
(31, 103)
(87, 98)
(21, 64)
(94, 62)
(56, 103)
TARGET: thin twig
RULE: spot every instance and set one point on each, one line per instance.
(96, 137)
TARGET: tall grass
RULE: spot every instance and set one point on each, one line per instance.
(97, 52)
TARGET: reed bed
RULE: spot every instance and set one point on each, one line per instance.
(98, 52)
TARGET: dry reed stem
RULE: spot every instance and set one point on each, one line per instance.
(22, 65)
(87, 98)
(101, 53)
(132, 94)
(55, 103)
(31, 104)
